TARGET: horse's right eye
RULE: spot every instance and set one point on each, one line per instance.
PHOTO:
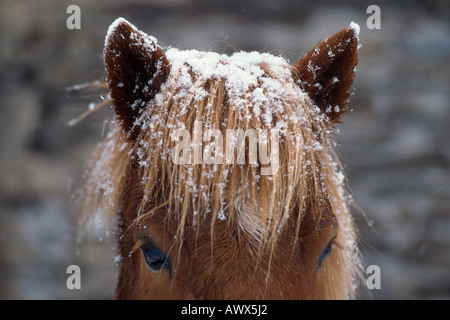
(155, 258)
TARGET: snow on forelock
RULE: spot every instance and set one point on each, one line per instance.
(243, 74)
(241, 68)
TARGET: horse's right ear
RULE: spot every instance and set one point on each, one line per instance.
(136, 67)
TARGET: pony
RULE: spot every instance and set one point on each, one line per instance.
(198, 216)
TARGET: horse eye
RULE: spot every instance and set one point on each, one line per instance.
(325, 253)
(155, 258)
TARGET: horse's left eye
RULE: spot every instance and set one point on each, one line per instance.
(155, 258)
(325, 253)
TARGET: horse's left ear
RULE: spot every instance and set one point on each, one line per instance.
(136, 67)
(327, 72)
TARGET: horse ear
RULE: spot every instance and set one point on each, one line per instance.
(327, 72)
(136, 67)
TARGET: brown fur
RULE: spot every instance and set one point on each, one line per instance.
(275, 227)
(334, 58)
(136, 69)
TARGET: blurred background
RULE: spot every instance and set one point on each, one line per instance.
(395, 142)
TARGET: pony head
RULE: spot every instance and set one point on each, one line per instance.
(220, 171)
